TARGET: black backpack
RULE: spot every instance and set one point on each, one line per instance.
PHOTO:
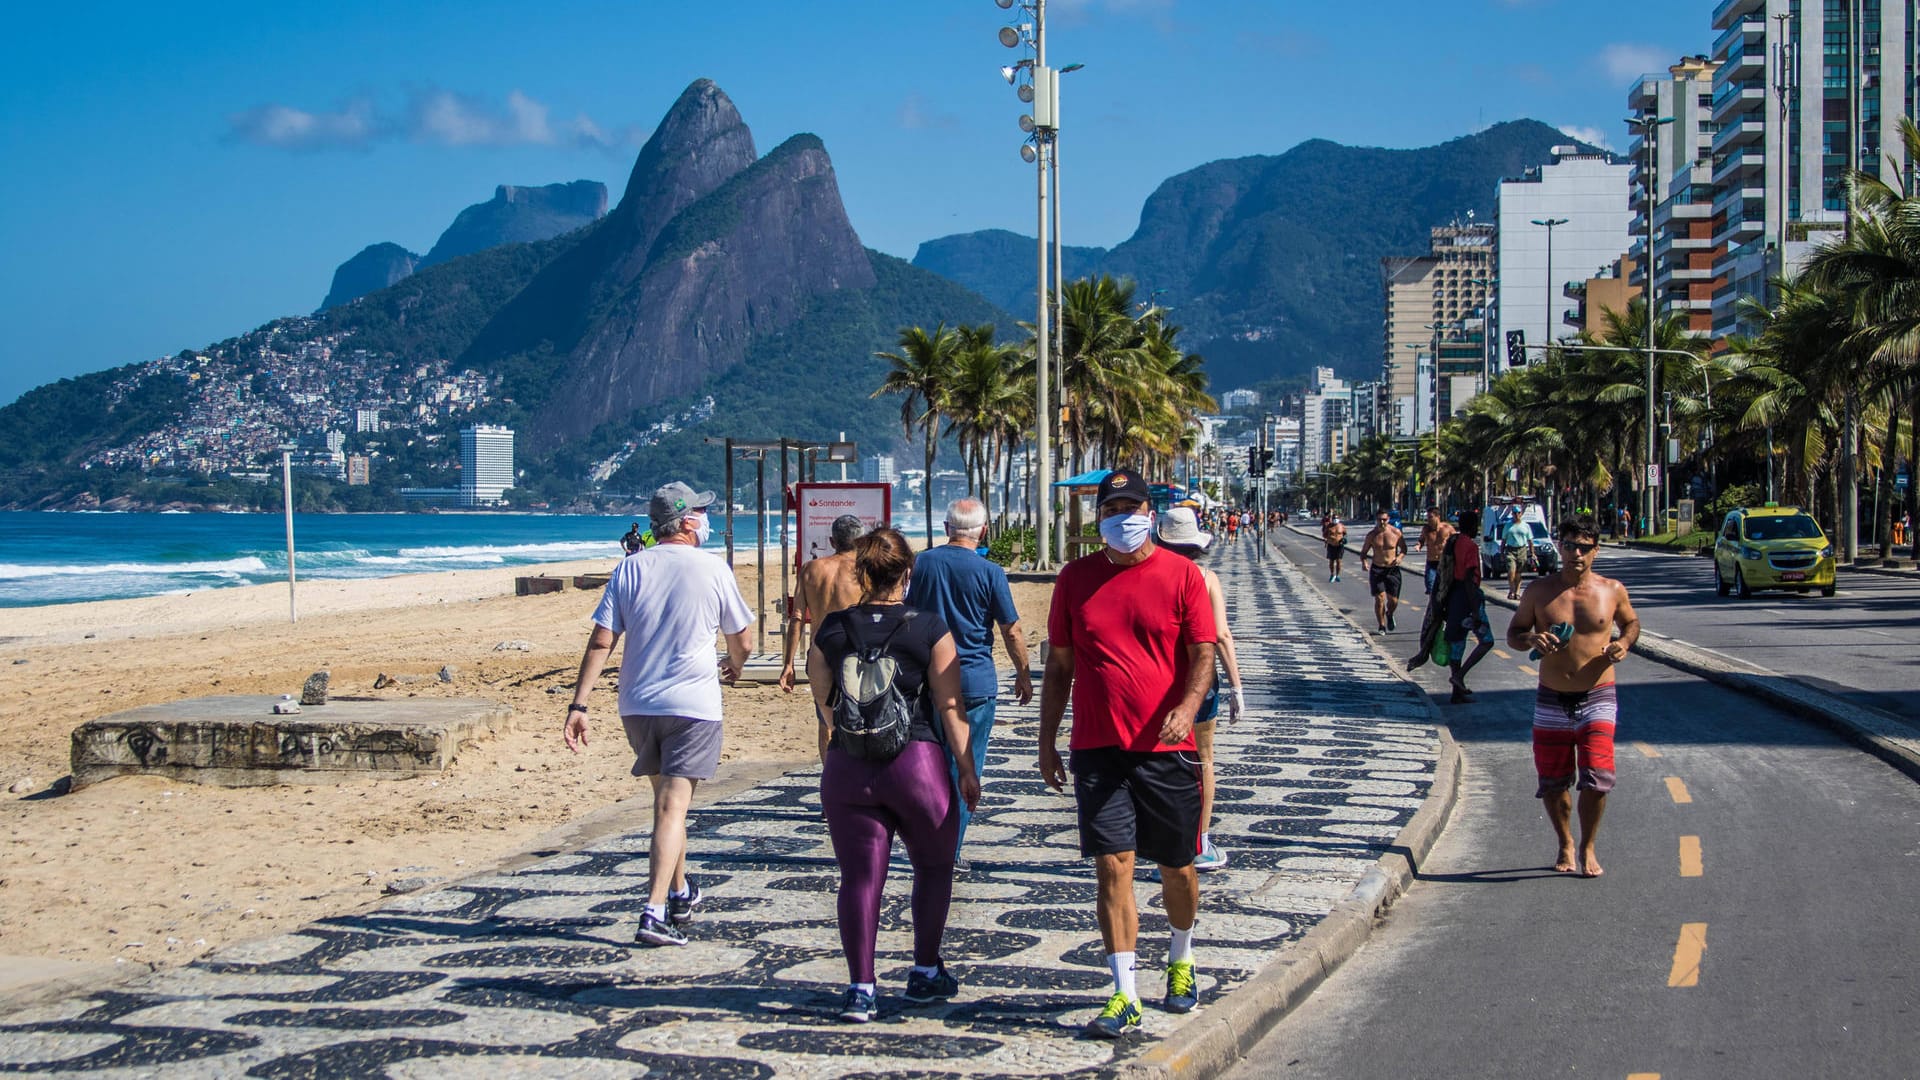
(871, 717)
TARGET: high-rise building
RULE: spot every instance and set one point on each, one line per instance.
(1440, 288)
(365, 420)
(878, 469)
(1587, 195)
(1683, 174)
(1793, 118)
(359, 470)
(1239, 399)
(486, 464)
(1326, 409)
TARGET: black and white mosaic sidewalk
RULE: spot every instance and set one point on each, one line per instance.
(530, 973)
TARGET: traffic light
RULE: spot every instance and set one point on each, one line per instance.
(1516, 348)
(1266, 460)
(1256, 464)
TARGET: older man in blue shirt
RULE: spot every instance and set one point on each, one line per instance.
(970, 594)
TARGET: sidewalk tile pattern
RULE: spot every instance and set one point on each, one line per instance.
(531, 972)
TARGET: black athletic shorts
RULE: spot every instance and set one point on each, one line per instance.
(1336, 551)
(1147, 802)
(1384, 579)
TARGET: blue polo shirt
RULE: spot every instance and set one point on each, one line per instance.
(969, 594)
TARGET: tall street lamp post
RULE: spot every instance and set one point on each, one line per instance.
(1549, 224)
(1649, 126)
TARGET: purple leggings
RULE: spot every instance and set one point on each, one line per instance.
(866, 803)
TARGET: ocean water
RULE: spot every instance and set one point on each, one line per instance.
(55, 558)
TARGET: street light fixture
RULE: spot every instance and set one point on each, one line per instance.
(1549, 224)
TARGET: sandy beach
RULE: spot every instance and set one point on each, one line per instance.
(158, 872)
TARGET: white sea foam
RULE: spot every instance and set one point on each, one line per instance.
(222, 568)
(563, 549)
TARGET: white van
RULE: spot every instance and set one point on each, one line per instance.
(1493, 524)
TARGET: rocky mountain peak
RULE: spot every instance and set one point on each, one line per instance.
(518, 215)
(700, 144)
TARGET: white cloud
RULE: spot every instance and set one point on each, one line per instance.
(352, 124)
(1592, 136)
(435, 116)
(916, 115)
(1624, 61)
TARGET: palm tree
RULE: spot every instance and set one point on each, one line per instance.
(921, 372)
(979, 393)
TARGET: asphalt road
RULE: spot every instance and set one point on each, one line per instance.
(1756, 917)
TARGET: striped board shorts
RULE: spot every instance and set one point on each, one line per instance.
(1573, 739)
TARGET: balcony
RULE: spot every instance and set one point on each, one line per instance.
(1744, 33)
(1735, 99)
(1738, 160)
(1727, 11)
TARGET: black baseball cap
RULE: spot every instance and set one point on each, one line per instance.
(1124, 483)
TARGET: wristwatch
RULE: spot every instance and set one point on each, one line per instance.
(576, 707)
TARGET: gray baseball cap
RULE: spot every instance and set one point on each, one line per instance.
(676, 500)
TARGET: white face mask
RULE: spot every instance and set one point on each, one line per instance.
(701, 528)
(1126, 533)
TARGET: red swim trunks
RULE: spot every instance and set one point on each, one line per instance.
(1573, 739)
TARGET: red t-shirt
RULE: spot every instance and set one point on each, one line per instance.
(1466, 558)
(1129, 628)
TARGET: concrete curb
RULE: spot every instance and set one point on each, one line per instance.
(1222, 1034)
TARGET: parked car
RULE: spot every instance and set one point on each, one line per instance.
(1493, 524)
(1772, 547)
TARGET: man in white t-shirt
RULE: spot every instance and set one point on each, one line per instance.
(669, 600)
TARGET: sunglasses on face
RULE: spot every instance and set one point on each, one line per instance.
(1577, 546)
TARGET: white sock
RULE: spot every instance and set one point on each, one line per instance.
(868, 987)
(1182, 947)
(658, 911)
(926, 972)
(1121, 964)
(1206, 841)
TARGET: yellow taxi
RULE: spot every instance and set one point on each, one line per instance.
(1772, 547)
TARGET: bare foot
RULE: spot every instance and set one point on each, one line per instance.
(1564, 864)
(1590, 866)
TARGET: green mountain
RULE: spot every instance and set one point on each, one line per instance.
(1272, 263)
(726, 295)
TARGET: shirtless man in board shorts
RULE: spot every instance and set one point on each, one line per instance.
(1334, 532)
(1380, 556)
(1569, 619)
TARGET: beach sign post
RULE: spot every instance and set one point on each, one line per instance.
(286, 489)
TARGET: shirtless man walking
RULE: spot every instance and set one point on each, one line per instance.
(1380, 556)
(1433, 541)
(1334, 532)
(1569, 618)
(826, 585)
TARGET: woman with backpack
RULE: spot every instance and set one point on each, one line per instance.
(886, 680)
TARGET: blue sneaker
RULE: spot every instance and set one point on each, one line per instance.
(924, 989)
(1183, 993)
(857, 1006)
(1212, 858)
(680, 908)
(1119, 1019)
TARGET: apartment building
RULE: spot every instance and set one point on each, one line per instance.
(1586, 196)
(1803, 92)
(1681, 176)
(486, 464)
(1448, 284)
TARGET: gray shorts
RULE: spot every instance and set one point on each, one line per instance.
(673, 746)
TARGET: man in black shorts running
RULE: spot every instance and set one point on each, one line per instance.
(1380, 556)
(1131, 635)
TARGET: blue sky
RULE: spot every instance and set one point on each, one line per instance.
(177, 174)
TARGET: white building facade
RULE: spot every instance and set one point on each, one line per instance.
(486, 464)
(1589, 193)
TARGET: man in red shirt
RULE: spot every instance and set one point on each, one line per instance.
(1466, 607)
(1131, 632)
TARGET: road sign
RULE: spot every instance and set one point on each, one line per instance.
(1653, 474)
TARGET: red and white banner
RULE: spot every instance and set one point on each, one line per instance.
(820, 504)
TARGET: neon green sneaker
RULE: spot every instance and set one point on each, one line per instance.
(1120, 1018)
(1183, 993)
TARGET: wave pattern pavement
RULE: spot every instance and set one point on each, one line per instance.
(530, 972)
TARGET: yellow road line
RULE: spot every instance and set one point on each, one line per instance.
(1678, 789)
(1409, 607)
(1687, 955)
(1690, 856)
(1630, 1076)
(1523, 667)
(1645, 750)
(1501, 653)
